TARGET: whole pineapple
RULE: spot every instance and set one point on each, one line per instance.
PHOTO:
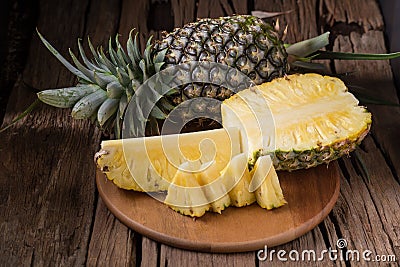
(108, 81)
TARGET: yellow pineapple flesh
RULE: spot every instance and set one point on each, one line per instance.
(301, 120)
(150, 163)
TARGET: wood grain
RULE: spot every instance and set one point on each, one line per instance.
(49, 210)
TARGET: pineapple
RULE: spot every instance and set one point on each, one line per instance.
(185, 194)
(214, 187)
(290, 123)
(237, 180)
(300, 120)
(150, 163)
(268, 191)
(108, 81)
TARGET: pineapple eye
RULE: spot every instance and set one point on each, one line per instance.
(221, 58)
(253, 53)
(217, 38)
(263, 69)
(261, 42)
(240, 37)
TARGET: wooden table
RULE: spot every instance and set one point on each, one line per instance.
(50, 211)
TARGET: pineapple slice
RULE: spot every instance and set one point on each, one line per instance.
(268, 191)
(185, 194)
(150, 163)
(300, 120)
(237, 179)
(214, 186)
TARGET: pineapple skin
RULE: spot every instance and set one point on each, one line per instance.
(278, 92)
(243, 42)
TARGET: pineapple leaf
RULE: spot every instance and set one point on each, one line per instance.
(166, 105)
(263, 15)
(354, 56)
(307, 47)
(133, 54)
(94, 53)
(158, 66)
(117, 126)
(68, 65)
(21, 116)
(88, 64)
(83, 69)
(121, 52)
(105, 61)
(123, 103)
(158, 113)
(111, 52)
(142, 66)
(66, 97)
(308, 65)
(160, 56)
(123, 78)
(115, 90)
(147, 55)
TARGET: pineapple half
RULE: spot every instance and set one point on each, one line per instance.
(301, 120)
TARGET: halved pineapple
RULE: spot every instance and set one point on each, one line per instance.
(300, 120)
(150, 163)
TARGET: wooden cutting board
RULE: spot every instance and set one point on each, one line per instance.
(311, 195)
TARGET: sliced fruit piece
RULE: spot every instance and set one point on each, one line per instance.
(185, 194)
(237, 179)
(269, 192)
(150, 163)
(214, 186)
(301, 120)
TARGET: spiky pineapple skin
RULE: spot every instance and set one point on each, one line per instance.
(243, 42)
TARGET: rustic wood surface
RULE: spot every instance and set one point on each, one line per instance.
(218, 232)
(50, 211)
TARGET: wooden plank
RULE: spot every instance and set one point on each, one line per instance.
(366, 14)
(301, 25)
(150, 253)
(111, 243)
(176, 257)
(366, 214)
(54, 189)
(379, 85)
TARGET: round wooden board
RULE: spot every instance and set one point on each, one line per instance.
(311, 195)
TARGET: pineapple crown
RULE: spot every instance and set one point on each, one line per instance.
(105, 83)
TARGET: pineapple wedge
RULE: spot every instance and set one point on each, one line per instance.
(185, 194)
(214, 187)
(237, 180)
(268, 191)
